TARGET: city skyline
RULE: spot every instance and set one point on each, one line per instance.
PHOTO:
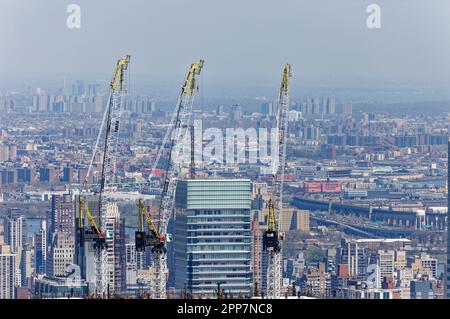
(328, 44)
(190, 150)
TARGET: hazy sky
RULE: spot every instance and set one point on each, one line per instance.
(244, 43)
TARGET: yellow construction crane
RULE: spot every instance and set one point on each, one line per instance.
(272, 235)
(271, 220)
(110, 118)
(190, 85)
(119, 74)
(109, 129)
(157, 238)
(271, 238)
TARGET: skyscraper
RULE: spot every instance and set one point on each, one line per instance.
(219, 239)
(324, 105)
(67, 175)
(4, 153)
(44, 174)
(61, 254)
(25, 268)
(267, 108)
(309, 106)
(131, 263)
(40, 103)
(330, 109)
(347, 109)
(15, 236)
(78, 88)
(219, 110)
(316, 106)
(15, 230)
(93, 89)
(62, 214)
(386, 264)
(353, 256)
(116, 250)
(177, 248)
(84, 254)
(236, 113)
(7, 271)
(257, 257)
(8, 176)
(40, 248)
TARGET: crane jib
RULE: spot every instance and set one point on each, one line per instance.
(272, 237)
(96, 230)
(156, 236)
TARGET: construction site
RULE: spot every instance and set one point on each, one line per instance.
(96, 209)
(225, 156)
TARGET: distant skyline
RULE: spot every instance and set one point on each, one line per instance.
(244, 45)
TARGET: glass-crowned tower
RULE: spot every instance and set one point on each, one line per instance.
(218, 237)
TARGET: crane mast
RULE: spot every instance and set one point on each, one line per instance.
(156, 236)
(272, 235)
(110, 124)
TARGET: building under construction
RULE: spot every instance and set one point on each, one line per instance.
(212, 239)
(204, 246)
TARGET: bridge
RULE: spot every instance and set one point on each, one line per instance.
(402, 219)
(321, 220)
(367, 230)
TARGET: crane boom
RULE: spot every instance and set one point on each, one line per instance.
(181, 124)
(110, 125)
(184, 110)
(145, 214)
(272, 235)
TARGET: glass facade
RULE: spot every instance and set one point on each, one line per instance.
(219, 237)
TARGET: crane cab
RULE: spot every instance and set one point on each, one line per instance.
(150, 239)
(161, 246)
(91, 235)
(271, 241)
(100, 241)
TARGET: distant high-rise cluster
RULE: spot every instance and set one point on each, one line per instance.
(313, 106)
(82, 99)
